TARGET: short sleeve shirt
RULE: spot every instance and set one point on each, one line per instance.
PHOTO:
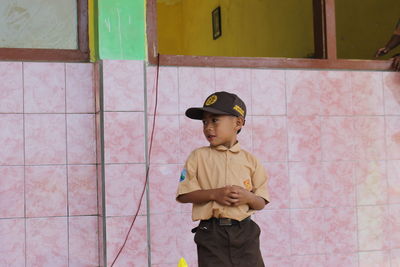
(215, 167)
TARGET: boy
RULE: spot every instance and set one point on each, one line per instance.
(226, 184)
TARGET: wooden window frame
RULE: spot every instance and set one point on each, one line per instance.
(68, 55)
(324, 43)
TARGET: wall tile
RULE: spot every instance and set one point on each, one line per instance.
(82, 190)
(367, 93)
(270, 138)
(393, 137)
(11, 191)
(46, 191)
(83, 241)
(236, 81)
(304, 138)
(52, 235)
(123, 85)
(395, 257)
(268, 92)
(373, 231)
(195, 84)
(190, 136)
(391, 90)
(275, 232)
(306, 185)
(80, 88)
(123, 137)
(341, 234)
(135, 250)
(394, 226)
(164, 180)
(168, 92)
(393, 176)
(336, 93)
(164, 234)
(279, 185)
(124, 185)
(348, 260)
(369, 137)
(337, 144)
(339, 180)
(81, 138)
(303, 92)
(308, 230)
(12, 236)
(374, 259)
(371, 182)
(45, 139)
(165, 148)
(309, 261)
(11, 139)
(11, 91)
(44, 85)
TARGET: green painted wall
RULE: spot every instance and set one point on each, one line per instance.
(122, 29)
(266, 28)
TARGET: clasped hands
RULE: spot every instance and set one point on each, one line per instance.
(233, 195)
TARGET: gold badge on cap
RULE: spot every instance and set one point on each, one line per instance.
(239, 109)
(211, 100)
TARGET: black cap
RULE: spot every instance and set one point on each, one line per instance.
(222, 103)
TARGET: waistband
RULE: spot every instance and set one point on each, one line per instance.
(226, 221)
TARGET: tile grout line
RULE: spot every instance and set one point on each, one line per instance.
(386, 161)
(24, 145)
(288, 162)
(354, 170)
(66, 160)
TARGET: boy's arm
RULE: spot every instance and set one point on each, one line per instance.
(225, 196)
(393, 42)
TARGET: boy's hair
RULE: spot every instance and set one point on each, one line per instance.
(221, 103)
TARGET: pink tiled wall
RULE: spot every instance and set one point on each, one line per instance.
(330, 141)
(48, 185)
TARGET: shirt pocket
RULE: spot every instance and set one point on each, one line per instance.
(242, 176)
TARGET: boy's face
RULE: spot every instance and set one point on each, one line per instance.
(221, 129)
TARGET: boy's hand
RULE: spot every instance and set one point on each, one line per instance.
(225, 195)
(381, 51)
(241, 195)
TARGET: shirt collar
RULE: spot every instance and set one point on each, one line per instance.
(235, 148)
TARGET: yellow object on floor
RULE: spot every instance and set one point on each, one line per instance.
(182, 263)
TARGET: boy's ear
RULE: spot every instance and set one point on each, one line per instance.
(240, 121)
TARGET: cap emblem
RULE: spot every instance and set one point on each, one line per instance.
(239, 109)
(211, 100)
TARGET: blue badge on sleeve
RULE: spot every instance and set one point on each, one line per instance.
(183, 175)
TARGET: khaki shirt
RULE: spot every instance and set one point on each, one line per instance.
(215, 167)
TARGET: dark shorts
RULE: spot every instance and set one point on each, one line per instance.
(237, 245)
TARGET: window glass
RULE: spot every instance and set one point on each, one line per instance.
(50, 24)
(363, 26)
(249, 28)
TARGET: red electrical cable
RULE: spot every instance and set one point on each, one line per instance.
(148, 165)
